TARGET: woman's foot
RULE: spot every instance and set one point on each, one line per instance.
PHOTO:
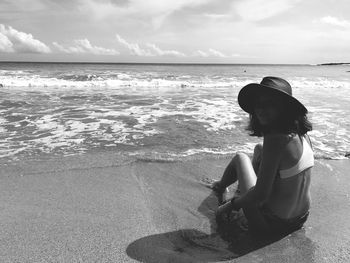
(218, 188)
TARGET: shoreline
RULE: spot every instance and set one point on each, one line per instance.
(153, 212)
(334, 64)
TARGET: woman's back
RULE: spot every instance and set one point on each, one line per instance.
(290, 196)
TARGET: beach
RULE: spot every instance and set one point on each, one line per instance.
(111, 162)
(152, 212)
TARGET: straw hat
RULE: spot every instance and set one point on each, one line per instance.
(275, 85)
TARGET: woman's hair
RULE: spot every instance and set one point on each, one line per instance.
(291, 122)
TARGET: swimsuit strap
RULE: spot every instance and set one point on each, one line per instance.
(312, 147)
(306, 161)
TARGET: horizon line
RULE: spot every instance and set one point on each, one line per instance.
(164, 63)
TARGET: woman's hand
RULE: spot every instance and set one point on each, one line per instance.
(223, 212)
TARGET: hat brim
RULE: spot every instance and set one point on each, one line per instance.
(248, 93)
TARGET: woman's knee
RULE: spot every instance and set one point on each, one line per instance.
(238, 159)
(241, 158)
(242, 163)
(245, 172)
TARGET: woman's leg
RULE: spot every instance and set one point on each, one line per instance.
(247, 180)
(241, 169)
(230, 176)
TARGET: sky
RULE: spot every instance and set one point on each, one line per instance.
(176, 31)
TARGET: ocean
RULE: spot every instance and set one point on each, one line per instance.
(155, 112)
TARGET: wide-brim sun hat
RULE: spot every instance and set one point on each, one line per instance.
(273, 85)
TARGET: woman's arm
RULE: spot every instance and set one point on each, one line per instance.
(273, 149)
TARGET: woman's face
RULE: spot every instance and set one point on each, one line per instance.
(268, 109)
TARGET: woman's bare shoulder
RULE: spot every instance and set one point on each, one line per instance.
(275, 145)
(277, 138)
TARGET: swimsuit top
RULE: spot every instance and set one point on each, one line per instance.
(306, 161)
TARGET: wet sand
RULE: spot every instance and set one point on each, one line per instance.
(153, 212)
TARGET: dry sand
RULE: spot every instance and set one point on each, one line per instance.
(152, 212)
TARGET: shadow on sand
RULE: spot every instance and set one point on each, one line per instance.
(191, 245)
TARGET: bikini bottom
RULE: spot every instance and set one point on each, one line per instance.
(282, 226)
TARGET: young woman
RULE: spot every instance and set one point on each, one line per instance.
(275, 196)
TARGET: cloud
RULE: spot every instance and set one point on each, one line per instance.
(12, 40)
(210, 53)
(235, 55)
(5, 44)
(255, 10)
(200, 53)
(82, 46)
(134, 48)
(335, 21)
(154, 11)
(216, 16)
(161, 52)
(150, 50)
(216, 53)
(23, 5)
